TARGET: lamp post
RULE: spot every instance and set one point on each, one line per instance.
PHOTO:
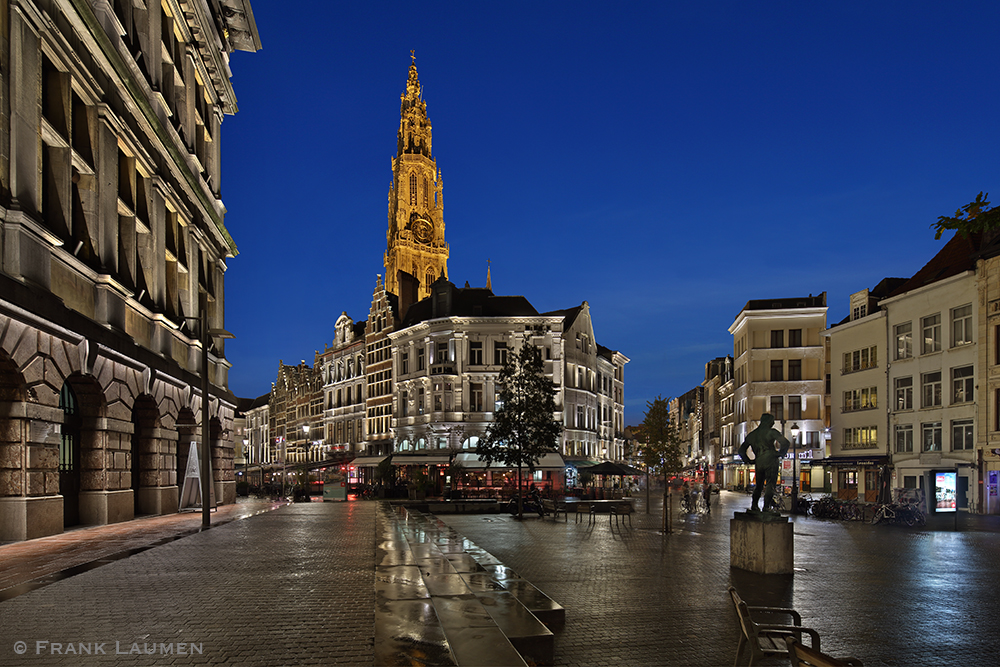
(795, 468)
(305, 446)
(207, 335)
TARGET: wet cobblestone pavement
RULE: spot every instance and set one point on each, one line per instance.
(296, 585)
(887, 595)
(293, 586)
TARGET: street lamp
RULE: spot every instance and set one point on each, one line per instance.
(207, 336)
(305, 446)
(795, 468)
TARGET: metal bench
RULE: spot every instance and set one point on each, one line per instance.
(767, 639)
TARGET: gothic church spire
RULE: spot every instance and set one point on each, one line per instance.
(415, 244)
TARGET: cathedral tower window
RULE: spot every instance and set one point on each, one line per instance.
(413, 189)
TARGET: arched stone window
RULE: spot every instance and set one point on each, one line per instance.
(413, 189)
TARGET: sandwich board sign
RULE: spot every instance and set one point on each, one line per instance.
(191, 489)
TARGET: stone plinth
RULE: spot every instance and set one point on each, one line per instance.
(761, 543)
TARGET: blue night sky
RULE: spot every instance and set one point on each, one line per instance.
(664, 161)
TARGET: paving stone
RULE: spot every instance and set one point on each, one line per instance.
(297, 585)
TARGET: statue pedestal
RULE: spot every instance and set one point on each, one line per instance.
(761, 543)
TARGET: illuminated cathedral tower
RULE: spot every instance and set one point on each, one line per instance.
(415, 239)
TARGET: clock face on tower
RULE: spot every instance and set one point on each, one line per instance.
(422, 230)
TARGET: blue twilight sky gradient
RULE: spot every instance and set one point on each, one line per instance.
(665, 161)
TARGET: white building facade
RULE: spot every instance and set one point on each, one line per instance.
(780, 368)
(932, 332)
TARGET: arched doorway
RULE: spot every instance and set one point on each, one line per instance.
(145, 466)
(69, 456)
(83, 466)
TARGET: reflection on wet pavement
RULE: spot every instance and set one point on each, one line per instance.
(441, 600)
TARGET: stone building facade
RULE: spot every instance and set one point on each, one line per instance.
(344, 384)
(296, 413)
(114, 247)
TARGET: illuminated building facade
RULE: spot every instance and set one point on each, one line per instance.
(858, 449)
(417, 378)
(780, 360)
(344, 383)
(114, 255)
(931, 326)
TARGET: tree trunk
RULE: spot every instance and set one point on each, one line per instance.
(647, 491)
(520, 496)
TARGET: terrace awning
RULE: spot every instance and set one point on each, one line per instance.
(470, 461)
(418, 460)
(367, 461)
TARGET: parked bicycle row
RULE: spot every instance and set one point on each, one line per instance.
(849, 510)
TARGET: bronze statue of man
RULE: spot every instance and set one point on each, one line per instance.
(761, 440)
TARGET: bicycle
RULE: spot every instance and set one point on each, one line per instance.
(779, 503)
(884, 513)
(912, 515)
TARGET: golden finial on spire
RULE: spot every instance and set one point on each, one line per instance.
(489, 283)
(413, 57)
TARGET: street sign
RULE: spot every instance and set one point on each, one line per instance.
(191, 490)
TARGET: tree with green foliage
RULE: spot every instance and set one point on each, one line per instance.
(975, 217)
(523, 427)
(660, 449)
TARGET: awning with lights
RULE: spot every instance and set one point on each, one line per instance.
(471, 461)
(367, 461)
(418, 460)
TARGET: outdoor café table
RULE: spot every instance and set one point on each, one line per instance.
(596, 506)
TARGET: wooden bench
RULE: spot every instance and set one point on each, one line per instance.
(803, 656)
(767, 639)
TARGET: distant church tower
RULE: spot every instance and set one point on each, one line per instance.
(415, 240)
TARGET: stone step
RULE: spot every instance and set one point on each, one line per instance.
(485, 613)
